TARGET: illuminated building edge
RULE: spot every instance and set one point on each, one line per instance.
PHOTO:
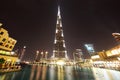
(6, 46)
(111, 54)
(6, 43)
(59, 50)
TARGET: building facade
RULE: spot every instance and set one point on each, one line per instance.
(90, 49)
(107, 58)
(6, 42)
(8, 58)
(59, 50)
(78, 55)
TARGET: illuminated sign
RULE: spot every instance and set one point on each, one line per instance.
(95, 57)
(90, 48)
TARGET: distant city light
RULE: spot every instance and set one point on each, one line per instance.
(37, 51)
(12, 53)
(41, 52)
(60, 62)
(90, 48)
(115, 34)
(0, 24)
(46, 52)
(24, 47)
(95, 57)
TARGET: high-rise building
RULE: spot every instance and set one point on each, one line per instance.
(59, 50)
(78, 55)
(90, 48)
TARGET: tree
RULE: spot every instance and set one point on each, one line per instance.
(2, 60)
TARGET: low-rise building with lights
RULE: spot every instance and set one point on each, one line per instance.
(109, 58)
(8, 58)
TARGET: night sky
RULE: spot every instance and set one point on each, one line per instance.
(32, 23)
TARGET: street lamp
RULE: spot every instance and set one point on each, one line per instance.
(42, 55)
(74, 57)
(22, 53)
(46, 53)
(0, 24)
(37, 52)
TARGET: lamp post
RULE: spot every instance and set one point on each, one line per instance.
(0, 24)
(37, 52)
(22, 54)
(74, 57)
(46, 53)
(42, 55)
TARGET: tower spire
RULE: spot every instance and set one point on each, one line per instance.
(59, 50)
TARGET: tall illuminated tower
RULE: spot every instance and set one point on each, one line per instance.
(59, 50)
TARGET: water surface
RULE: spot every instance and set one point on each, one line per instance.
(52, 72)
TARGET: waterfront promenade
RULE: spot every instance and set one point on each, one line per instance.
(57, 72)
(10, 70)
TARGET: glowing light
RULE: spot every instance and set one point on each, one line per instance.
(56, 30)
(57, 22)
(54, 50)
(0, 24)
(58, 10)
(8, 60)
(5, 52)
(114, 52)
(118, 50)
(12, 53)
(95, 57)
(46, 52)
(63, 45)
(24, 46)
(41, 52)
(37, 52)
(60, 24)
(60, 62)
(62, 34)
(118, 58)
(65, 51)
(90, 48)
(55, 41)
(108, 53)
(115, 34)
(27, 62)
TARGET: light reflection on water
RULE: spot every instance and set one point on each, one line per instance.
(32, 72)
(53, 72)
(38, 73)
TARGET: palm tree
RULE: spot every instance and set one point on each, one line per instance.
(2, 60)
